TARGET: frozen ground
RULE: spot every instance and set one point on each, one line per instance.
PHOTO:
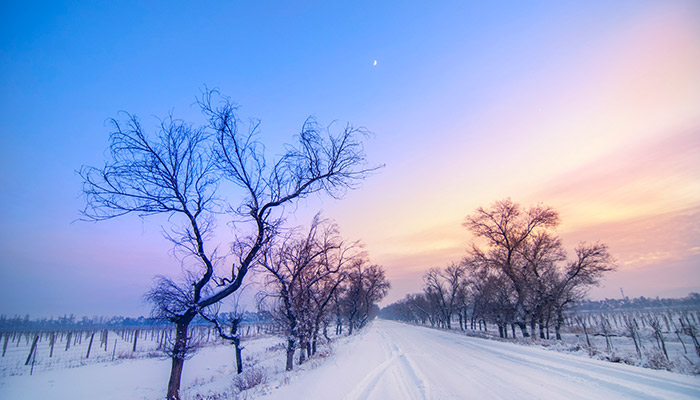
(387, 360)
(209, 371)
(396, 361)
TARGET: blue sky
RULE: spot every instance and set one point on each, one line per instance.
(469, 102)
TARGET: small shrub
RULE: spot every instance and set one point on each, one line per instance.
(655, 359)
(574, 348)
(324, 352)
(249, 379)
(213, 396)
(125, 355)
(618, 358)
(277, 347)
(613, 358)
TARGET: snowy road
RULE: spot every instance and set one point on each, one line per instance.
(396, 361)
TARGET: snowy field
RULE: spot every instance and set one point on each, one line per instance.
(387, 360)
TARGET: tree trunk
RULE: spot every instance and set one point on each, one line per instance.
(177, 356)
(302, 351)
(523, 328)
(325, 331)
(557, 325)
(541, 325)
(239, 361)
(313, 342)
(290, 354)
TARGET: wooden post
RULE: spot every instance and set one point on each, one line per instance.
(4, 345)
(90, 345)
(114, 350)
(52, 341)
(136, 336)
(32, 349)
(31, 371)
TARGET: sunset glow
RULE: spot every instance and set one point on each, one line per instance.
(591, 109)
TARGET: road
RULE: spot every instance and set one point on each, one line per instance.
(391, 360)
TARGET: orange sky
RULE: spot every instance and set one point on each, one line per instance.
(591, 107)
(611, 139)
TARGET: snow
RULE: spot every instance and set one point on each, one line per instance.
(387, 360)
(209, 370)
(391, 360)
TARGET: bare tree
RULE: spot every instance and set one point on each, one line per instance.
(442, 287)
(521, 247)
(506, 228)
(630, 324)
(658, 334)
(177, 173)
(302, 274)
(572, 284)
(367, 285)
(542, 255)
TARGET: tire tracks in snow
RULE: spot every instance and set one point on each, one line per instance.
(397, 373)
(491, 368)
(391, 360)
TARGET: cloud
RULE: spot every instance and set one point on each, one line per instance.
(635, 181)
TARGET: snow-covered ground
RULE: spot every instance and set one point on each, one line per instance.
(209, 371)
(391, 360)
(387, 360)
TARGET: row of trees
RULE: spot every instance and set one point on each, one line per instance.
(516, 273)
(691, 302)
(181, 172)
(313, 275)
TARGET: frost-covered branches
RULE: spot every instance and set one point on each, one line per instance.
(303, 271)
(516, 272)
(177, 172)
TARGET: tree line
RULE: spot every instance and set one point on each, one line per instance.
(196, 176)
(315, 278)
(516, 274)
(691, 301)
(70, 322)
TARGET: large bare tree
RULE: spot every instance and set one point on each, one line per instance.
(506, 228)
(522, 251)
(177, 172)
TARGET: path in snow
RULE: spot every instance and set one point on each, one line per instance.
(396, 361)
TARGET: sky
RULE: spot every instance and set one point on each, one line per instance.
(589, 107)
